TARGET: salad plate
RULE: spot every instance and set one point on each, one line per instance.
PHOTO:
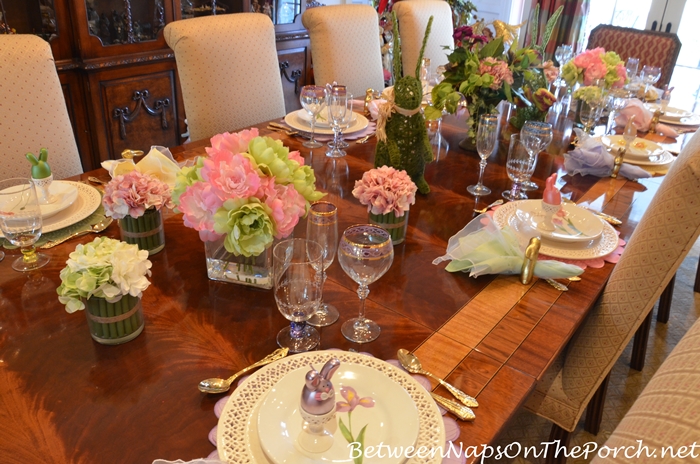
(640, 149)
(672, 115)
(571, 224)
(295, 121)
(321, 118)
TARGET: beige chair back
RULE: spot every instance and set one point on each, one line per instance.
(660, 242)
(667, 413)
(345, 46)
(33, 112)
(413, 17)
(228, 70)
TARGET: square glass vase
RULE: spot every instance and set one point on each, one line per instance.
(254, 271)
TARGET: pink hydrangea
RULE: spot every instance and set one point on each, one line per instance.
(133, 193)
(231, 176)
(198, 204)
(498, 69)
(384, 190)
(234, 143)
(287, 207)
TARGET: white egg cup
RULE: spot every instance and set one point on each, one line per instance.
(549, 212)
(42, 190)
(314, 436)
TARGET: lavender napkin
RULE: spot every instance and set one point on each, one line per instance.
(591, 157)
(642, 118)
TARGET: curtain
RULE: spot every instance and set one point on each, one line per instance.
(571, 27)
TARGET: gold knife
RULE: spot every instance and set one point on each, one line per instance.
(461, 411)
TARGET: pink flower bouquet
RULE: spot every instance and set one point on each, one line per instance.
(385, 190)
(249, 190)
(595, 64)
(133, 193)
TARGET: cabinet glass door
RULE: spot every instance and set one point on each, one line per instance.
(29, 17)
(117, 22)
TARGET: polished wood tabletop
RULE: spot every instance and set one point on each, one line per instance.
(66, 398)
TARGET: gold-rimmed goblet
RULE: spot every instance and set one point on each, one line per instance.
(322, 227)
(312, 99)
(365, 253)
(20, 221)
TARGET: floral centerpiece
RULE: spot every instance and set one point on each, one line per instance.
(595, 66)
(107, 277)
(248, 191)
(136, 200)
(388, 195)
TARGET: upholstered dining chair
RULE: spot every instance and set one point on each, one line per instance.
(345, 46)
(653, 48)
(228, 71)
(413, 17)
(667, 413)
(33, 112)
(663, 237)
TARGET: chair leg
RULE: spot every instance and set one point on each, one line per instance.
(696, 288)
(564, 437)
(665, 300)
(639, 345)
(594, 410)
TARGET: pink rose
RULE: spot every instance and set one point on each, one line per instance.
(232, 176)
(287, 207)
(234, 143)
(198, 204)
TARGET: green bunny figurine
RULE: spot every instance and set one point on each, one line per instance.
(402, 139)
(40, 167)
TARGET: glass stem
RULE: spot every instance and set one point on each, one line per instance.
(297, 329)
(362, 292)
(482, 165)
(29, 254)
(322, 307)
(515, 191)
(336, 130)
(313, 128)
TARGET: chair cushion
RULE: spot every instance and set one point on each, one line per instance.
(33, 112)
(228, 71)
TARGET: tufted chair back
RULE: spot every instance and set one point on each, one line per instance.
(660, 242)
(413, 18)
(651, 47)
(228, 71)
(345, 46)
(33, 112)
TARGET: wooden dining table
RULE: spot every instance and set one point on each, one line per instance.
(66, 398)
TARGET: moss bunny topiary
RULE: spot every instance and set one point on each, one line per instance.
(402, 138)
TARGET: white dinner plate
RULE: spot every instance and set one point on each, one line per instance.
(672, 115)
(392, 421)
(321, 118)
(597, 248)
(237, 431)
(660, 158)
(640, 149)
(293, 120)
(88, 201)
(574, 225)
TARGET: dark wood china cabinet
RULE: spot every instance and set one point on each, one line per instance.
(118, 75)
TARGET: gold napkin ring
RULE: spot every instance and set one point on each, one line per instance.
(618, 162)
(531, 253)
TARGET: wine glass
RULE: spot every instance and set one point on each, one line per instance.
(486, 136)
(365, 253)
(629, 133)
(519, 167)
(650, 75)
(345, 123)
(297, 267)
(322, 227)
(535, 137)
(20, 221)
(563, 54)
(337, 101)
(590, 112)
(632, 67)
(312, 98)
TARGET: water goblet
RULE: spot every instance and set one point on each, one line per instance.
(312, 99)
(632, 67)
(336, 99)
(650, 75)
(365, 253)
(535, 137)
(322, 227)
(590, 112)
(20, 221)
(486, 137)
(519, 167)
(629, 133)
(563, 54)
(297, 267)
(616, 100)
(345, 123)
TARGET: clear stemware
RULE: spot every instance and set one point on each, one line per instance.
(486, 137)
(345, 123)
(519, 167)
(337, 101)
(632, 67)
(20, 221)
(365, 253)
(297, 267)
(535, 137)
(590, 112)
(322, 227)
(312, 99)
(563, 54)
(650, 75)
(615, 102)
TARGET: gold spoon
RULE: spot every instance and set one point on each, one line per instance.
(217, 385)
(412, 364)
(365, 139)
(96, 180)
(486, 208)
(94, 229)
(461, 411)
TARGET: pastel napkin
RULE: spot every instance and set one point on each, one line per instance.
(591, 157)
(159, 163)
(642, 118)
(482, 248)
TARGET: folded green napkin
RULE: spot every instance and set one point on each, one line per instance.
(482, 248)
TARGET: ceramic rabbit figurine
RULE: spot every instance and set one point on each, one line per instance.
(318, 407)
(41, 175)
(402, 140)
(551, 203)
